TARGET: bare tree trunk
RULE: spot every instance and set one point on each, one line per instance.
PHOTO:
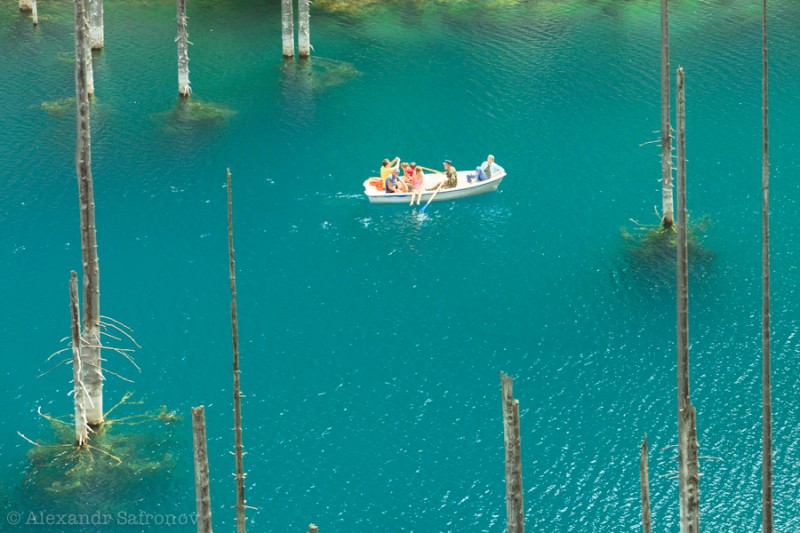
(644, 481)
(78, 391)
(25, 5)
(96, 31)
(303, 28)
(237, 395)
(34, 13)
(184, 89)
(514, 506)
(202, 491)
(312, 528)
(688, 469)
(90, 352)
(766, 386)
(287, 28)
(666, 133)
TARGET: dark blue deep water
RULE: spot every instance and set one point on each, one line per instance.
(372, 338)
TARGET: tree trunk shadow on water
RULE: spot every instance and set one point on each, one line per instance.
(125, 468)
(650, 251)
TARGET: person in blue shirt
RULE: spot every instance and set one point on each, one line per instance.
(487, 169)
(394, 183)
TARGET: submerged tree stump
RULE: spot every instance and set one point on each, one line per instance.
(91, 367)
(25, 5)
(96, 31)
(287, 28)
(644, 481)
(184, 89)
(303, 28)
(688, 466)
(201, 485)
(78, 388)
(514, 505)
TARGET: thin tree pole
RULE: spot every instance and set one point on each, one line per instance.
(303, 28)
(96, 31)
(184, 89)
(287, 28)
(201, 485)
(237, 395)
(78, 390)
(766, 386)
(34, 13)
(92, 375)
(666, 132)
(644, 481)
(514, 506)
(688, 470)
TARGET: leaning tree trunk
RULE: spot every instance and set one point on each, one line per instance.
(96, 32)
(91, 368)
(237, 394)
(78, 390)
(666, 133)
(303, 28)
(766, 386)
(287, 28)
(688, 470)
(184, 89)
(25, 5)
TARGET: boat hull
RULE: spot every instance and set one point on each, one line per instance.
(464, 189)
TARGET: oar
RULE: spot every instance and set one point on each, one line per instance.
(432, 170)
(431, 198)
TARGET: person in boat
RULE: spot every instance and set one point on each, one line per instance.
(451, 176)
(406, 173)
(485, 171)
(489, 167)
(416, 186)
(387, 167)
(394, 183)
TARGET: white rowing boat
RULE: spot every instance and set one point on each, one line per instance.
(373, 188)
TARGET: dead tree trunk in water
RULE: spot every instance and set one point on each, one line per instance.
(34, 13)
(688, 468)
(96, 31)
(666, 133)
(644, 481)
(237, 395)
(514, 505)
(766, 385)
(184, 89)
(303, 28)
(287, 27)
(25, 5)
(78, 390)
(202, 491)
(92, 375)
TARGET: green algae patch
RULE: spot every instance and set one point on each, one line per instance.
(59, 107)
(653, 249)
(316, 74)
(124, 460)
(189, 114)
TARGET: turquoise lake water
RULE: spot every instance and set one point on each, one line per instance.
(372, 338)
